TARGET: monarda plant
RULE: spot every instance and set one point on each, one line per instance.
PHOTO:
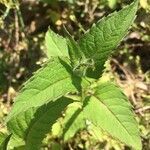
(70, 86)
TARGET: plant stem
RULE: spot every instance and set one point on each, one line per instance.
(6, 13)
(16, 3)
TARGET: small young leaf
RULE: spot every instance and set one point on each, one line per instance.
(109, 109)
(56, 45)
(99, 42)
(77, 58)
(75, 53)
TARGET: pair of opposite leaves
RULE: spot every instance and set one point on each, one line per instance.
(96, 45)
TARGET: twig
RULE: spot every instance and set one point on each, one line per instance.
(127, 73)
(16, 30)
(19, 14)
(143, 109)
(69, 145)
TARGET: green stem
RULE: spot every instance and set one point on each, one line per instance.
(6, 13)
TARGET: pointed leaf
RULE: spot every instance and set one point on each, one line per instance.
(32, 125)
(51, 82)
(78, 61)
(56, 45)
(109, 109)
(99, 42)
(75, 53)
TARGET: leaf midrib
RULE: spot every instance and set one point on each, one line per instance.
(114, 116)
(15, 113)
(94, 54)
(52, 84)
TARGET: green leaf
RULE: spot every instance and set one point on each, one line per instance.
(78, 61)
(109, 109)
(34, 124)
(99, 42)
(112, 3)
(51, 82)
(75, 53)
(4, 139)
(73, 121)
(15, 143)
(56, 45)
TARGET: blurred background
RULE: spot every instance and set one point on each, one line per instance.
(23, 24)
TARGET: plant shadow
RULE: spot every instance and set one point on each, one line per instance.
(74, 117)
